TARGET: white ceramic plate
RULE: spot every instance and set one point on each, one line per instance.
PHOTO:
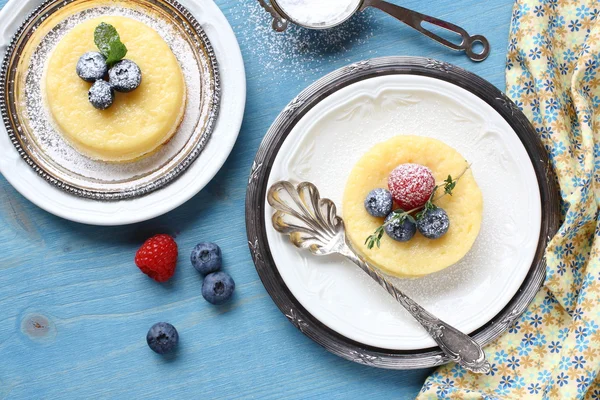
(324, 146)
(233, 98)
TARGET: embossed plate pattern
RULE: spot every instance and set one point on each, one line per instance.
(352, 346)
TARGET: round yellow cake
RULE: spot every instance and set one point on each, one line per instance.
(138, 122)
(419, 256)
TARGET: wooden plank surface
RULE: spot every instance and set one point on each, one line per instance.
(99, 306)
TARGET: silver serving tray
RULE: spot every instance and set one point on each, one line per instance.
(257, 190)
(40, 144)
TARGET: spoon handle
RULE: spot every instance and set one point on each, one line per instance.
(458, 346)
(415, 20)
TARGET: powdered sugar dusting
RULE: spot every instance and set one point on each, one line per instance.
(411, 185)
(298, 53)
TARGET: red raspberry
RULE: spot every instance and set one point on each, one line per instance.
(157, 257)
(411, 185)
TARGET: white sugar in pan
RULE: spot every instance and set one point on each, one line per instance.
(318, 13)
(323, 14)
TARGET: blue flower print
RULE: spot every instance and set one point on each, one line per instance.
(582, 383)
(536, 320)
(506, 381)
(569, 55)
(578, 362)
(513, 362)
(581, 332)
(501, 356)
(516, 91)
(524, 349)
(528, 339)
(534, 388)
(539, 11)
(555, 347)
(574, 25)
(535, 53)
(583, 11)
(493, 370)
(562, 379)
(564, 363)
(544, 376)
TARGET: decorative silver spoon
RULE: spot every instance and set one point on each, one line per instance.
(312, 223)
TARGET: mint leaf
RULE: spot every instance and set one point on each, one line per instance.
(104, 35)
(109, 43)
(116, 53)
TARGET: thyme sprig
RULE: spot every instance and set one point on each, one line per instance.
(399, 215)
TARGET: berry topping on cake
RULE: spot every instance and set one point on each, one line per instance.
(400, 229)
(433, 223)
(379, 203)
(157, 257)
(162, 337)
(125, 76)
(92, 66)
(101, 95)
(411, 185)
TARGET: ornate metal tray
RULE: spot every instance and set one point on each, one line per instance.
(29, 124)
(257, 190)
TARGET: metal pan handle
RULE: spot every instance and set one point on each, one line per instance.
(415, 20)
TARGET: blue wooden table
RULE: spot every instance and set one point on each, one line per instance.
(79, 283)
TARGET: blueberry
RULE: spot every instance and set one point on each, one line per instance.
(125, 76)
(379, 202)
(218, 287)
(400, 231)
(206, 258)
(101, 95)
(91, 66)
(433, 224)
(162, 337)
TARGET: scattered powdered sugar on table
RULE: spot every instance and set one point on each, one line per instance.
(318, 12)
(297, 53)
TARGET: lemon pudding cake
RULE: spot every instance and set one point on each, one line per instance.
(412, 206)
(122, 111)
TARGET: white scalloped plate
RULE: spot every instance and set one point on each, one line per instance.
(233, 100)
(329, 140)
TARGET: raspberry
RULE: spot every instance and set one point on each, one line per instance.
(411, 185)
(157, 257)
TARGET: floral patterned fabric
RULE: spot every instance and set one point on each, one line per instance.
(553, 350)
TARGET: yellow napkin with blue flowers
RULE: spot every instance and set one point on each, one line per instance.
(553, 350)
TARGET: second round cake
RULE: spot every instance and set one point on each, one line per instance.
(140, 121)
